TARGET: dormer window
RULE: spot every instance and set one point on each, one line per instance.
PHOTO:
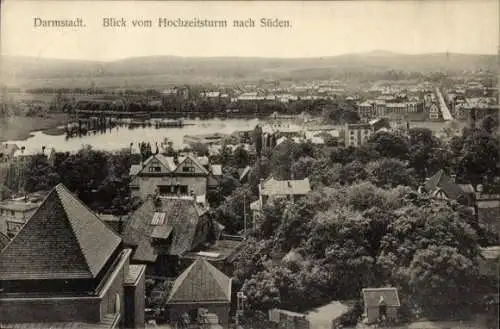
(188, 169)
(154, 169)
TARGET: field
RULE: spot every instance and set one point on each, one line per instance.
(20, 127)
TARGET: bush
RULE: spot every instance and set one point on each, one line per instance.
(351, 318)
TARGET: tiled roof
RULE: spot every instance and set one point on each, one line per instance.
(135, 169)
(183, 216)
(201, 282)
(322, 317)
(168, 162)
(63, 239)
(4, 240)
(194, 160)
(285, 187)
(371, 297)
(442, 181)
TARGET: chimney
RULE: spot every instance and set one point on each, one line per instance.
(120, 225)
(22, 149)
(43, 149)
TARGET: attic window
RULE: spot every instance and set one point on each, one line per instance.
(158, 218)
(188, 169)
(154, 169)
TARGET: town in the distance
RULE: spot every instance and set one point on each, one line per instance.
(299, 198)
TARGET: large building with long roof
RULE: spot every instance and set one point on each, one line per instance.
(67, 269)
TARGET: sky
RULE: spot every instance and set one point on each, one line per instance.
(325, 28)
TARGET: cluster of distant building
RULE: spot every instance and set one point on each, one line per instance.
(472, 100)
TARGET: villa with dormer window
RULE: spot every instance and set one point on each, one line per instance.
(171, 176)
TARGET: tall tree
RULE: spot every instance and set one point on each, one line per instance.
(40, 175)
(390, 144)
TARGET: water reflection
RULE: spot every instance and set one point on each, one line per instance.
(120, 136)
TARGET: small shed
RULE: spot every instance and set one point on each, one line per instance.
(200, 286)
(377, 299)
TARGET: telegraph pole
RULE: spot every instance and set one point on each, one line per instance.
(245, 213)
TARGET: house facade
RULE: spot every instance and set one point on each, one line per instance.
(366, 110)
(66, 268)
(434, 112)
(378, 301)
(171, 176)
(272, 188)
(359, 133)
(200, 290)
(14, 214)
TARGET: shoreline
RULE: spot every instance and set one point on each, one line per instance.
(20, 128)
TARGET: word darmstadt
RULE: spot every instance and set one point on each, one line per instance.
(39, 22)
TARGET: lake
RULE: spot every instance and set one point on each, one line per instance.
(121, 137)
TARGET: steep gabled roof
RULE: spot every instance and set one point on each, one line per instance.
(63, 239)
(166, 162)
(441, 180)
(4, 240)
(201, 282)
(182, 217)
(194, 160)
(135, 169)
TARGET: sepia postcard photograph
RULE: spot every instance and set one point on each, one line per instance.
(249, 164)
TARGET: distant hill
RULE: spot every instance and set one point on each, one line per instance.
(33, 72)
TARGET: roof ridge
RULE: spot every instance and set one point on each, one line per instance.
(161, 158)
(61, 188)
(440, 174)
(182, 278)
(90, 210)
(195, 160)
(214, 273)
(71, 224)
